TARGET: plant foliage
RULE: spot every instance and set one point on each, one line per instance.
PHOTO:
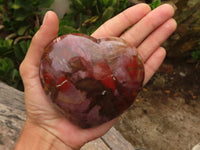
(9, 73)
(155, 4)
(86, 15)
(19, 15)
(196, 53)
(21, 19)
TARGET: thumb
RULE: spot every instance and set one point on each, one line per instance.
(47, 32)
(29, 68)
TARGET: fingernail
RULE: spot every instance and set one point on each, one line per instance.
(45, 17)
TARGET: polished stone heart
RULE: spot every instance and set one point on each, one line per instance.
(91, 80)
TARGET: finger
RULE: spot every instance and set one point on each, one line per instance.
(99, 130)
(116, 25)
(156, 39)
(153, 63)
(148, 24)
(47, 32)
(85, 135)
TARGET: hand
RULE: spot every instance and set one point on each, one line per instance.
(149, 29)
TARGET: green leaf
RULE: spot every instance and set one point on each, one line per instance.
(24, 45)
(6, 43)
(20, 50)
(23, 4)
(69, 20)
(108, 13)
(113, 3)
(14, 75)
(9, 74)
(6, 65)
(90, 20)
(196, 54)
(155, 4)
(82, 18)
(33, 31)
(15, 6)
(5, 47)
(78, 4)
(45, 3)
(89, 4)
(66, 29)
(22, 30)
(9, 43)
(20, 16)
(104, 2)
(1, 1)
(3, 66)
(91, 29)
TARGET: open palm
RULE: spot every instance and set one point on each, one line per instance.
(147, 31)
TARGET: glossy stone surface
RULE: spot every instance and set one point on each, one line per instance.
(91, 80)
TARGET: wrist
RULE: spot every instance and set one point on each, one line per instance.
(34, 137)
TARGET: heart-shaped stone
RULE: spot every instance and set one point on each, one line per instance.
(91, 80)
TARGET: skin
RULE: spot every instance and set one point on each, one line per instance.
(45, 128)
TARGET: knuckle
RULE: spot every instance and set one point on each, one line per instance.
(21, 69)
